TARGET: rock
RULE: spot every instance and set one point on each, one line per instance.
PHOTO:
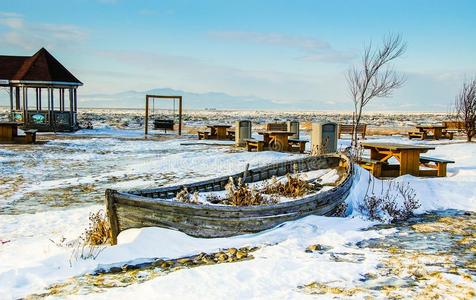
(221, 257)
(157, 263)
(115, 270)
(184, 261)
(241, 254)
(165, 265)
(312, 248)
(231, 251)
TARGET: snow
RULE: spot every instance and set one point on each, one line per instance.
(33, 255)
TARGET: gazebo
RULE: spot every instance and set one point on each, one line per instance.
(39, 86)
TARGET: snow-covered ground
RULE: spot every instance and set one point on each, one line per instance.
(47, 192)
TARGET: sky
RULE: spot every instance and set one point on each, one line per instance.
(289, 52)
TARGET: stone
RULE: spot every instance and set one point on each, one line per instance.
(241, 254)
(231, 251)
(222, 257)
(184, 261)
(312, 248)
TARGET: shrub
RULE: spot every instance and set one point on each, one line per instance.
(385, 205)
(99, 231)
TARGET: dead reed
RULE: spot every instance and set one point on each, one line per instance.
(241, 194)
(293, 187)
(186, 197)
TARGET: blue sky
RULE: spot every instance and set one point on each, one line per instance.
(286, 51)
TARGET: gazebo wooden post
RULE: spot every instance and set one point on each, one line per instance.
(146, 121)
(25, 104)
(180, 116)
(11, 99)
(17, 98)
(71, 106)
(39, 99)
(50, 120)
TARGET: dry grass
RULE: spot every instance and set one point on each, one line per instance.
(242, 195)
(98, 231)
(294, 187)
(186, 197)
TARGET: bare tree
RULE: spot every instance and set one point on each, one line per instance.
(465, 105)
(375, 78)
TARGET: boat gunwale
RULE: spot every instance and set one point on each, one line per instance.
(129, 196)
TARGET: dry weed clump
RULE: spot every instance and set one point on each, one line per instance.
(241, 194)
(385, 206)
(99, 231)
(294, 186)
(185, 196)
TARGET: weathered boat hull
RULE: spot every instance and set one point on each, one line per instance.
(148, 208)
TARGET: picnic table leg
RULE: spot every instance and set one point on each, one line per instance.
(409, 162)
(377, 170)
(221, 133)
(374, 154)
(438, 133)
(441, 169)
(281, 142)
(266, 140)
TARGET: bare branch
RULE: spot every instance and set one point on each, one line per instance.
(375, 79)
(465, 106)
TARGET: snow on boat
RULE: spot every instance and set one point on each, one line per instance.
(153, 207)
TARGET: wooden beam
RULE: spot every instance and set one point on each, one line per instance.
(11, 98)
(39, 98)
(17, 98)
(180, 116)
(146, 121)
(25, 104)
(71, 110)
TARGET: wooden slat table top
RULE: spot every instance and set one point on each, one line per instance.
(216, 126)
(276, 132)
(430, 126)
(395, 146)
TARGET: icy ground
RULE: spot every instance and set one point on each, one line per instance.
(47, 192)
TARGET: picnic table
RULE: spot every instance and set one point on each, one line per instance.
(408, 157)
(219, 131)
(436, 129)
(276, 139)
(9, 130)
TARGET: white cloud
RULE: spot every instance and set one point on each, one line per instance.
(315, 49)
(31, 36)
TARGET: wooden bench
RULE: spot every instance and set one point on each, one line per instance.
(417, 135)
(203, 135)
(449, 134)
(372, 165)
(349, 129)
(230, 134)
(254, 144)
(30, 136)
(434, 163)
(454, 126)
(296, 144)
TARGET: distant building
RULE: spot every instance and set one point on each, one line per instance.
(43, 92)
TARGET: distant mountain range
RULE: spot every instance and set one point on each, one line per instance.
(211, 100)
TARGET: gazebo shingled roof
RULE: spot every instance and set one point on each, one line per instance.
(41, 67)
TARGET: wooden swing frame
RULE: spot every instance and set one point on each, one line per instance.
(153, 97)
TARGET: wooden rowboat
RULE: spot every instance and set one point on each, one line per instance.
(150, 208)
